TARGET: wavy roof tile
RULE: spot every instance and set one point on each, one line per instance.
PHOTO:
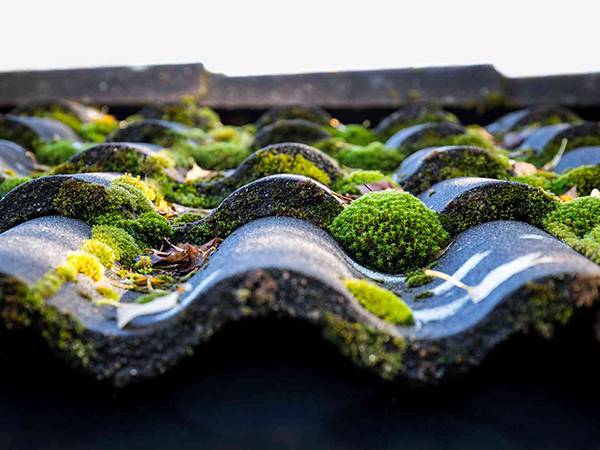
(130, 250)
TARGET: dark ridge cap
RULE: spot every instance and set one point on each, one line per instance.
(147, 130)
(289, 130)
(35, 198)
(46, 129)
(582, 156)
(412, 134)
(420, 170)
(84, 113)
(311, 113)
(245, 172)
(16, 158)
(288, 195)
(468, 201)
(287, 268)
(526, 116)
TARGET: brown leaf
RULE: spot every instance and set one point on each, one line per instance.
(183, 258)
(377, 186)
(521, 169)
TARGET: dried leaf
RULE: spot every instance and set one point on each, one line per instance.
(377, 186)
(521, 169)
(343, 199)
(183, 258)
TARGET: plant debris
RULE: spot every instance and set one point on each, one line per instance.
(183, 258)
(377, 186)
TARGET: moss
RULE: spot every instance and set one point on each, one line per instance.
(577, 223)
(186, 194)
(541, 179)
(187, 111)
(85, 264)
(468, 163)
(102, 251)
(11, 183)
(367, 346)
(548, 152)
(220, 155)
(355, 134)
(380, 302)
(417, 278)
(57, 152)
(472, 136)
(107, 292)
(389, 231)
(586, 178)
(502, 201)
(122, 243)
(273, 163)
(149, 229)
(374, 156)
(332, 146)
(289, 130)
(98, 130)
(550, 303)
(352, 181)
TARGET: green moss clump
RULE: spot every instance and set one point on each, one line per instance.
(332, 146)
(374, 156)
(389, 231)
(577, 223)
(355, 134)
(586, 178)
(541, 179)
(122, 243)
(57, 152)
(381, 302)
(367, 346)
(220, 155)
(273, 163)
(472, 136)
(11, 183)
(350, 183)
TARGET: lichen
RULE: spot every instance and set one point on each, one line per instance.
(389, 231)
(349, 184)
(380, 302)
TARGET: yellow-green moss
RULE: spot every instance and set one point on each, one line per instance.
(102, 251)
(380, 302)
(273, 163)
(11, 183)
(57, 152)
(389, 231)
(85, 264)
(122, 243)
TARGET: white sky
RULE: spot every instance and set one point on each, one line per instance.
(258, 37)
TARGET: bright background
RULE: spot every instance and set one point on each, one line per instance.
(258, 37)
